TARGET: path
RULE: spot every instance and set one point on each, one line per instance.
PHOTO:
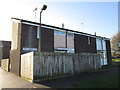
(9, 80)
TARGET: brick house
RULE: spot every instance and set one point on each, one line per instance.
(25, 36)
(5, 47)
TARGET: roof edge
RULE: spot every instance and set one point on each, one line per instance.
(21, 20)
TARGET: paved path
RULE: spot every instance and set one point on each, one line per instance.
(9, 80)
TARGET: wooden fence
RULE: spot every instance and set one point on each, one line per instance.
(5, 64)
(35, 65)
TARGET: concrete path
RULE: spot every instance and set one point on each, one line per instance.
(9, 80)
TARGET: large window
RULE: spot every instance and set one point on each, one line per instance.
(70, 41)
(63, 41)
(59, 39)
(101, 49)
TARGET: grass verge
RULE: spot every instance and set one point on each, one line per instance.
(108, 81)
(116, 60)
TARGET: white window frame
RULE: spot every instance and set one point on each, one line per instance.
(38, 31)
(89, 40)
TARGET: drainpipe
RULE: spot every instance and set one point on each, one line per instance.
(66, 39)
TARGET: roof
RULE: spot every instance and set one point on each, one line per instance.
(55, 27)
(5, 43)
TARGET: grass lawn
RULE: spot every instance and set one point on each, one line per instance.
(116, 60)
(108, 81)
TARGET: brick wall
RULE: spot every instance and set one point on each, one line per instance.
(28, 37)
(15, 62)
(82, 46)
(47, 40)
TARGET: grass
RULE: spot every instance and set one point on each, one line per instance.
(38, 79)
(116, 60)
(108, 81)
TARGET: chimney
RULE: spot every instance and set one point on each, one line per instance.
(95, 33)
(62, 25)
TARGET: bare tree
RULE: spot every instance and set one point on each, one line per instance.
(115, 45)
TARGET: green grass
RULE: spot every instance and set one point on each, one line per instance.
(116, 60)
(108, 81)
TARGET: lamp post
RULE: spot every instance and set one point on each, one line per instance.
(39, 43)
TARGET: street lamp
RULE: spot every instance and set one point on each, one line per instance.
(39, 43)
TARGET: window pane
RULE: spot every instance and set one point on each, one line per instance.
(59, 32)
(38, 32)
(89, 40)
(70, 35)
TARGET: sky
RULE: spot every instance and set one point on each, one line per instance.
(100, 16)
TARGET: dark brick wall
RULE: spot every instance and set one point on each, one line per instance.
(108, 48)
(15, 62)
(28, 37)
(6, 46)
(47, 40)
(6, 52)
(82, 46)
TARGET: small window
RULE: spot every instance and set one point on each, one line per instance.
(70, 35)
(89, 40)
(38, 32)
(29, 49)
(59, 33)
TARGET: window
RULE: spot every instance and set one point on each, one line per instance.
(64, 50)
(29, 49)
(59, 33)
(70, 35)
(89, 40)
(38, 32)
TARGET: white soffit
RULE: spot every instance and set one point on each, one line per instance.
(63, 30)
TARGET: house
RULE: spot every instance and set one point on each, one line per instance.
(25, 38)
(5, 47)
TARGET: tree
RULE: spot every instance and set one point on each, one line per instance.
(115, 45)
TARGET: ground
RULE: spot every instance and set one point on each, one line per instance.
(12, 81)
(70, 82)
(9, 80)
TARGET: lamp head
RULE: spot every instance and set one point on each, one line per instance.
(44, 7)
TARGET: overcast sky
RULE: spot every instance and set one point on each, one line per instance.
(99, 17)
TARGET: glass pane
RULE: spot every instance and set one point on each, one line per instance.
(59, 32)
(38, 32)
